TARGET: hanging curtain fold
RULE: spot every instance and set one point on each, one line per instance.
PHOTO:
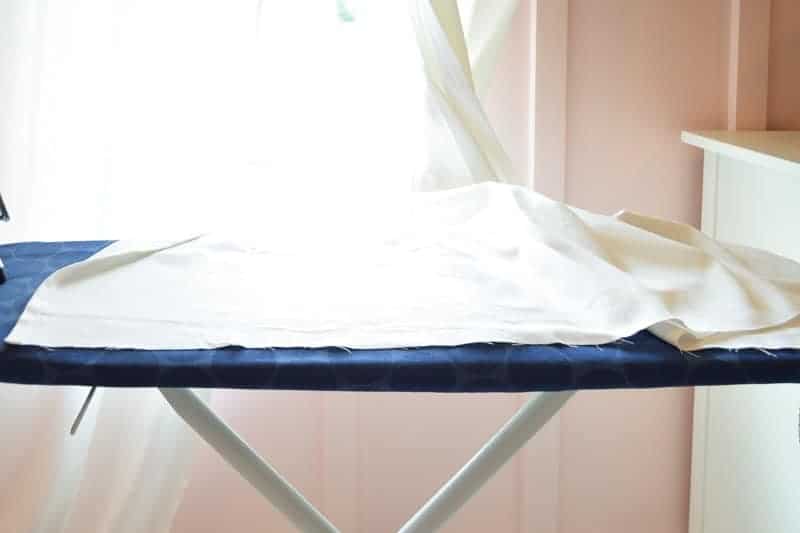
(463, 146)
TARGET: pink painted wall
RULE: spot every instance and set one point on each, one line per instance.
(783, 102)
(638, 73)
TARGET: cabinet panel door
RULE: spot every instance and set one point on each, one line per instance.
(752, 452)
(758, 207)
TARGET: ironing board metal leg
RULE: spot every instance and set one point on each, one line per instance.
(247, 462)
(445, 503)
(484, 464)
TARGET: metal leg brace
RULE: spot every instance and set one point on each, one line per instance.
(247, 462)
(445, 503)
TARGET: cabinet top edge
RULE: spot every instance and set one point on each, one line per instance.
(779, 150)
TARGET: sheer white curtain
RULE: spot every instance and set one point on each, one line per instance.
(463, 146)
(122, 118)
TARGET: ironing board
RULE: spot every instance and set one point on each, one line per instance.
(556, 372)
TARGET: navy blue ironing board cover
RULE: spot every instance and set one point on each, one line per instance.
(640, 361)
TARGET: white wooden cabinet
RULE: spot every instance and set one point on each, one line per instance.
(746, 446)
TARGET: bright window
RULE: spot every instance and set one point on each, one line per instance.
(198, 108)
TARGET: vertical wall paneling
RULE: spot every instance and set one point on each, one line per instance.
(549, 117)
(748, 64)
(539, 468)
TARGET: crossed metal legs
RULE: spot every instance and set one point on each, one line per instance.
(528, 420)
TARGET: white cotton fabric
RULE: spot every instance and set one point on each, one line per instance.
(484, 263)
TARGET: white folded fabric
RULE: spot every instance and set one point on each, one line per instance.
(485, 263)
